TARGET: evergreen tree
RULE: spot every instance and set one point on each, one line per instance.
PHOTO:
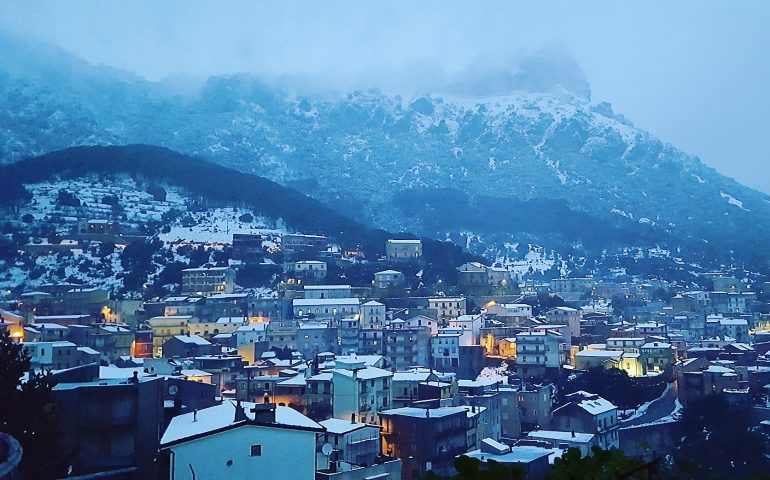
(601, 465)
(27, 412)
(719, 440)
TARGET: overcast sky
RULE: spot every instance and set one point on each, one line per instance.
(695, 73)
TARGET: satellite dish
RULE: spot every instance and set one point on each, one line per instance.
(327, 449)
(172, 390)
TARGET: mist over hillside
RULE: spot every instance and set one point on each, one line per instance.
(504, 158)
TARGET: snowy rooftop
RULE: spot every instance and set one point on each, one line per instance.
(311, 302)
(423, 412)
(562, 436)
(367, 373)
(411, 376)
(368, 360)
(206, 269)
(387, 272)
(192, 339)
(519, 454)
(47, 326)
(328, 287)
(338, 426)
(599, 353)
(223, 415)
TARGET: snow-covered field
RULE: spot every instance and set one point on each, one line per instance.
(121, 199)
(218, 226)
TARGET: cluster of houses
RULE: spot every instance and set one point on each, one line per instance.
(346, 381)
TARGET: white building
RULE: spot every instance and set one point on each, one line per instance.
(565, 316)
(313, 270)
(419, 321)
(389, 279)
(403, 250)
(328, 291)
(470, 327)
(445, 349)
(448, 307)
(589, 413)
(510, 313)
(56, 355)
(206, 281)
(354, 442)
(326, 307)
(251, 333)
(240, 441)
(372, 315)
(538, 353)
(360, 391)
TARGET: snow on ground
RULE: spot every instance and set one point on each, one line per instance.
(733, 201)
(639, 411)
(135, 203)
(622, 213)
(499, 374)
(218, 226)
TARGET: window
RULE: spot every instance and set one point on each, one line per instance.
(256, 450)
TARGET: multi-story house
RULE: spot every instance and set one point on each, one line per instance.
(46, 332)
(316, 337)
(405, 347)
(183, 346)
(389, 281)
(445, 350)
(535, 405)
(353, 442)
(111, 341)
(309, 271)
(588, 413)
(425, 438)
(236, 440)
(403, 250)
(448, 307)
(469, 327)
(328, 291)
(326, 308)
(372, 315)
(565, 316)
(510, 313)
(165, 327)
(657, 357)
(52, 355)
(111, 424)
(348, 331)
(538, 353)
(207, 281)
(361, 391)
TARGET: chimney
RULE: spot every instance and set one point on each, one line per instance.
(195, 415)
(352, 418)
(240, 414)
(427, 413)
(573, 433)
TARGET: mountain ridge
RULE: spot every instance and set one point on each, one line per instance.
(362, 152)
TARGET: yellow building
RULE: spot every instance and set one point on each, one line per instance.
(165, 327)
(507, 347)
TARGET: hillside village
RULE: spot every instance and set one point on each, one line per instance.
(188, 335)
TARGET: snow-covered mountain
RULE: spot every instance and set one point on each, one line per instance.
(493, 172)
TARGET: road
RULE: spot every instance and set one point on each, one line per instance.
(661, 407)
